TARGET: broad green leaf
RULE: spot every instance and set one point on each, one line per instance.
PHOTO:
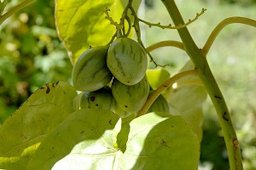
(18, 162)
(42, 112)
(123, 132)
(93, 154)
(161, 143)
(153, 143)
(82, 23)
(157, 76)
(186, 98)
(187, 102)
(85, 124)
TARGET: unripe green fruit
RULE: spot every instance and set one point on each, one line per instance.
(157, 76)
(159, 105)
(90, 72)
(127, 61)
(100, 99)
(130, 98)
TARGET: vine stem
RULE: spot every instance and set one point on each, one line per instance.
(169, 82)
(221, 25)
(207, 78)
(14, 9)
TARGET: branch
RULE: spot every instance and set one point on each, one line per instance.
(153, 96)
(221, 25)
(173, 27)
(15, 9)
(204, 72)
(176, 44)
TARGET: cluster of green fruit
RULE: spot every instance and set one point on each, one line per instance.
(113, 77)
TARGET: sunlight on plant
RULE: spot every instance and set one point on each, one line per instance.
(126, 108)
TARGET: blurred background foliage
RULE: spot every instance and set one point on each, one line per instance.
(31, 55)
(232, 59)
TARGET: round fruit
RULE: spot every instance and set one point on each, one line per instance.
(90, 72)
(100, 99)
(157, 76)
(159, 105)
(127, 61)
(130, 98)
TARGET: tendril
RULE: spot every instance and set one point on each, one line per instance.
(111, 20)
(129, 25)
(170, 26)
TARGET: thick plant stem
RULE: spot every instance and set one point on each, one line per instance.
(204, 72)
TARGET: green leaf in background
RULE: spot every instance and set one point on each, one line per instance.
(85, 124)
(42, 112)
(82, 23)
(186, 98)
(153, 143)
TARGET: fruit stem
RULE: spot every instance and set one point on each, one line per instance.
(204, 72)
(168, 83)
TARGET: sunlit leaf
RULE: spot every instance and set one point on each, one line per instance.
(42, 112)
(161, 143)
(18, 162)
(153, 143)
(186, 98)
(86, 124)
(82, 23)
(94, 154)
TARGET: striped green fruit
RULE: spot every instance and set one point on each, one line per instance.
(100, 99)
(130, 99)
(127, 61)
(90, 72)
(160, 105)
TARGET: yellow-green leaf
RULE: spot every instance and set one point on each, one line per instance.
(42, 112)
(82, 23)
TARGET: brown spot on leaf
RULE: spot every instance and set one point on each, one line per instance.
(110, 122)
(92, 98)
(47, 89)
